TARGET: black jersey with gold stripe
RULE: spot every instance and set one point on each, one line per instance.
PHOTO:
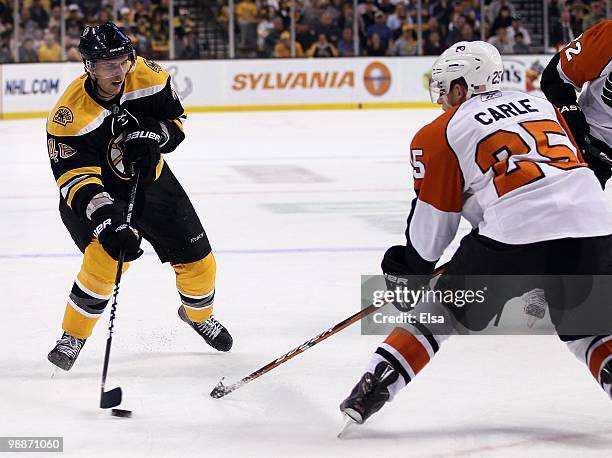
(85, 135)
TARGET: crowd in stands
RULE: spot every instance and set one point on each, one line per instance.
(323, 28)
(39, 37)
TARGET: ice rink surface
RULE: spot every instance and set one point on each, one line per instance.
(297, 206)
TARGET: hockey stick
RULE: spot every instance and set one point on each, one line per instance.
(113, 397)
(223, 390)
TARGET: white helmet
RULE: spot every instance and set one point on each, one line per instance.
(478, 62)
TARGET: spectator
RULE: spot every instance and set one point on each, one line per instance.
(265, 14)
(73, 55)
(366, 12)
(74, 14)
(503, 19)
(326, 25)
(50, 50)
(56, 17)
(597, 14)
(27, 23)
(433, 44)
(124, 18)
(159, 40)
(467, 33)
(520, 47)
(5, 53)
(183, 23)
(347, 19)
(283, 47)
(454, 33)
(406, 44)
(433, 26)
(346, 47)
(386, 6)
(496, 6)
(322, 48)
(303, 31)
(27, 53)
(517, 27)
(73, 35)
(273, 36)
(246, 15)
(186, 47)
(39, 39)
(441, 10)
(380, 28)
(396, 20)
(501, 41)
(39, 14)
(376, 46)
(142, 38)
(563, 31)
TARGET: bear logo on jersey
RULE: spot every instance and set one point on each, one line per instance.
(152, 65)
(114, 157)
(63, 116)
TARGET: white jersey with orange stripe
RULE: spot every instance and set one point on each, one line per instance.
(586, 64)
(506, 162)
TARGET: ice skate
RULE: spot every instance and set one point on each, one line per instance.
(213, 332)
(66, 351)
(370, 394)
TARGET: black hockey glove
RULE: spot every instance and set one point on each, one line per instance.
(399, 276)
(574, 117)
(141, 147)
(114, 233)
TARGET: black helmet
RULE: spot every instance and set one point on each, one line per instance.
(104, 41)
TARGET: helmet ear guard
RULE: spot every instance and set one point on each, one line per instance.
(477, 62)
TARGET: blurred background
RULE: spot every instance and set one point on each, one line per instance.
(49, 30)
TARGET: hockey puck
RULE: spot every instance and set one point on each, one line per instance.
(121, 413)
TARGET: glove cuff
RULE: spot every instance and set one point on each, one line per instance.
(98, 201)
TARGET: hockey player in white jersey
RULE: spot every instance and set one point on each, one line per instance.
(585, 65)
(507, 162)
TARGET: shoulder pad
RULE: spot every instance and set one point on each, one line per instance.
(76, 113)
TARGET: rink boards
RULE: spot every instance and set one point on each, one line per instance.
(30, 90)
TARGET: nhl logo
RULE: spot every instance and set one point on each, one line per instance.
(63, 116)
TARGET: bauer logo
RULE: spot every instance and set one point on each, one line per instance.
(377, 78)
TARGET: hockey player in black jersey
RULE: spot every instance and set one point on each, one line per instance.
(124, 111)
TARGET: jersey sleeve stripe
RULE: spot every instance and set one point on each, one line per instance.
(64, 189)
(70, 174)
(79, 185)
(144, 92)
(179, 124)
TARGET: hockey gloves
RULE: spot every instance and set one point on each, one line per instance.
(114, 233)
(142, 147)
(574, 117)
(399, 276)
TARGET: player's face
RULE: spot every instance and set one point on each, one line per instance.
(110, 75)
(456, 96)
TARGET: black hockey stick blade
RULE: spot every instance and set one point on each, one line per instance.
(219, 391)
(112, 398)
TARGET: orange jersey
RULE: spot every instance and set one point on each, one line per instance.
(507, 163)
(586, 64)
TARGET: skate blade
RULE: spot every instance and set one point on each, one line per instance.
(348, 421)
